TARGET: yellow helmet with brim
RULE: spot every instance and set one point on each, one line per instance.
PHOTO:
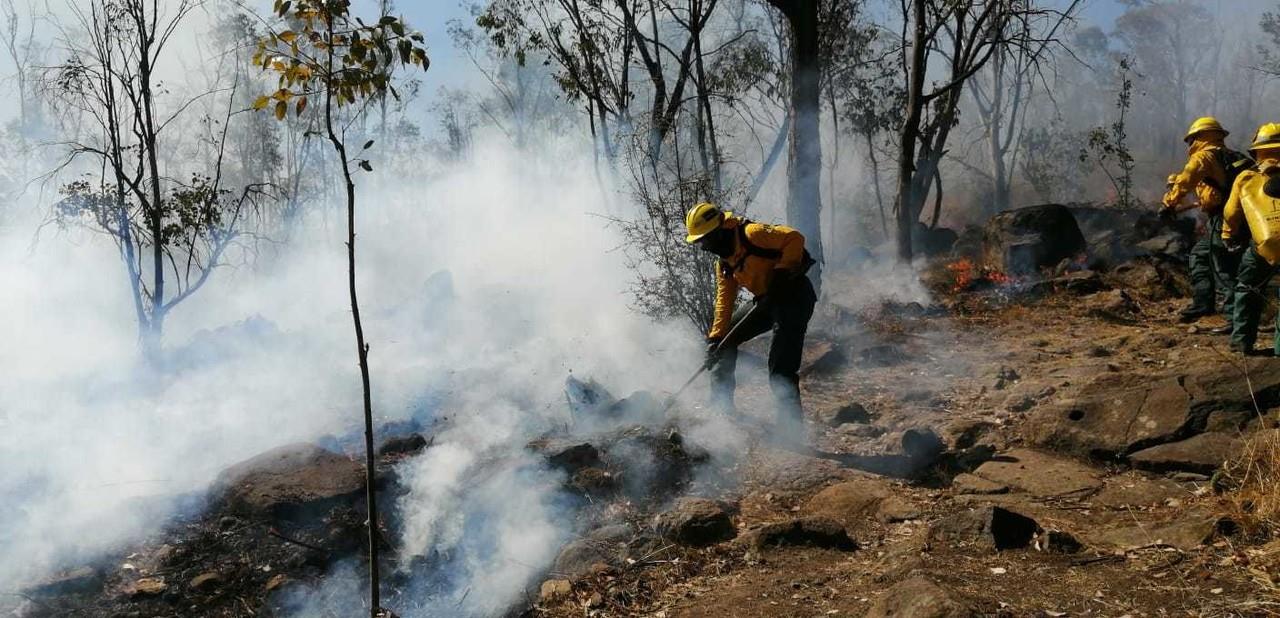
(1267, 138)
(1204, 125)
(702, 219)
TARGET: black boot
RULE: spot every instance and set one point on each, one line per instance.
(1193, 313)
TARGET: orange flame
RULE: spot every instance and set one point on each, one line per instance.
(966, 275)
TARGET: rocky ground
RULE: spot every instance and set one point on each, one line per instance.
(1049, 443)
(1079, 480)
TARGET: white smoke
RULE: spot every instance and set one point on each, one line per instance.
(96, 446)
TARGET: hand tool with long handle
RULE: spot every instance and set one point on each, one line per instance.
(671, 401)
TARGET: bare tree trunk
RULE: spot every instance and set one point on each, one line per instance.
(704, 103)
(875, 181)
(831, 174)
(111, 114)
(804, 163)
(999, 181)
(151, 341)
(937, 199)
(909, 132)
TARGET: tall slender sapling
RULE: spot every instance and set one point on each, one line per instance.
(330, 55)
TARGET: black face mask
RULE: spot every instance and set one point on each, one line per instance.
(719, 242)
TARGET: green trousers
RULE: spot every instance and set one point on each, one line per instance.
(1250, 299)
(1213, 269)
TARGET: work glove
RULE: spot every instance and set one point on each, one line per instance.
(712, 353)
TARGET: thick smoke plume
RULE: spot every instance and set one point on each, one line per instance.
(486, 282)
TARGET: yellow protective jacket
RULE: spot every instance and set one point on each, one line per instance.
(1200, 175)
(1250, 210)
(753, 272)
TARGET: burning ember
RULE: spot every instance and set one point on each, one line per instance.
(969, 276)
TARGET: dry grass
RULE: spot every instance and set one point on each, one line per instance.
(1254, 477)
(1254, 504)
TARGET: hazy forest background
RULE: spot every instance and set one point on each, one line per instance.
(675, 102)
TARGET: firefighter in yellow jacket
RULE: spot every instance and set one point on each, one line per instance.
(770, 261)
(1205, 176)
(1252, 213)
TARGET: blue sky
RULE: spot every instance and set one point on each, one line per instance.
(448, 67)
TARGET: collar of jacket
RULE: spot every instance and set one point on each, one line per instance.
(1199, 145)
(733, 222)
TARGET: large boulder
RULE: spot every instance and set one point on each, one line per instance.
(570, 456)
(786, 472)
(578, 557)
(851, 503)
(933, 241)
(1114, 235)
(989, 527)
(1110, 233)
(1119, 414)
(1137, 490)
(1040, 475)
(292, 481)
(696, 522)
(1187, 531)
(821, 532)
(1025, 240)
(1157, 277)
(1114, 419)
(1204, 453)
(968, 243)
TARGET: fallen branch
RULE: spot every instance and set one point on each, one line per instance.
(1079, 562)
(276, 533)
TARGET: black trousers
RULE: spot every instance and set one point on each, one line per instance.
(787, 316)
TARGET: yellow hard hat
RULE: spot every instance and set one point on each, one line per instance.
(1267, 138)
(1201, 125)
(704, 218)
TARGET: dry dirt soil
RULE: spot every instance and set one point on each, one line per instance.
(1000, 375)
